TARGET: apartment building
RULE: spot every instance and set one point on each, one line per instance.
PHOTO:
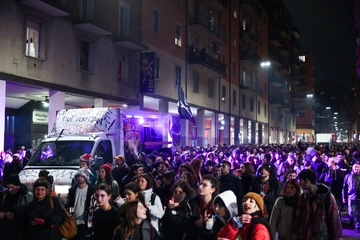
(305, 121)
(92, 53)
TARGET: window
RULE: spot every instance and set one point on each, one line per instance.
(302, 105)
(302, 59)
(265, 109)
(86, 55)
(234, 68)
(234, 39)
(123, 20)
(301, 114)
(157, 68)
(104, 151)
(211, 86)
(178, 35)
(243, 101)
(156, 21)
(177, 75)
(32, 39)
(258, 107)
(251, 104)
(196, 81)
(223, 58)
(234, 98)
(122, 68)
(223, 93)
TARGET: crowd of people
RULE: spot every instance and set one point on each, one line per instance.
(213, 193)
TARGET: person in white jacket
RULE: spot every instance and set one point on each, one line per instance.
(152, 200)
(282, 216)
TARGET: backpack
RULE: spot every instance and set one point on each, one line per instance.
(68, 228)
(152, 198)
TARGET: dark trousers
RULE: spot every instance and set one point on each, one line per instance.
(82, 230)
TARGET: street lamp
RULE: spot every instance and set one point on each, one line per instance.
(309, 95)
(265, 64)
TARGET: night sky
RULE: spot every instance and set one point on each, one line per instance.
(327, 29)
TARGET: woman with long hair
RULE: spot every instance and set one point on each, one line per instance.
(188, 177)
(106, 218)
(133, 225)
(185, 167)
(282, 216)
(45, 213)
(135, 170)
(246, 174)
(106, 177)
(177, 211)
(196, 165)
(152, 201)
(201, 206)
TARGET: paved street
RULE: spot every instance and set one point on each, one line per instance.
(348, 233)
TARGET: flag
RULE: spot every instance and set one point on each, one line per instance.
(183, 106)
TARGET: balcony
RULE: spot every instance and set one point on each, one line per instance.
(130, 38)
(275, 100)
(295, 47)
(295, 112)
(301, 72)
(251, 87)
(284, 51)
(274, 38)
(275, 78)
(53, 8)
(250, 55)
(295, 80)
(298, 95)
(296, 32)
(284, 31)
(199, 22)
(275, 60)
(284, 87)
(252, 8)
(285, 105)
(201, 58)
(248, 33)
(295, 63)
(284, 69)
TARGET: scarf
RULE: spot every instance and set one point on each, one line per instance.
(290, 201)
(205, 210)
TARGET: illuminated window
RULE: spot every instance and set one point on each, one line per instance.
(302, 59)
(32, 39)
(178, 35)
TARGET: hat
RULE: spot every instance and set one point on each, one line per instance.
(86, 158)
(258, 199)
(13, 179)
(106, 167)
(41, 182)
(209, 163)
(83, 173)
(313, 153)
(267, 167)
(18, 156)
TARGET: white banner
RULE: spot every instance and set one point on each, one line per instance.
(40, 117)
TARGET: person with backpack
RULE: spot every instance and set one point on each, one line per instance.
(152, 201)
(251, 224)
(45, 213)
(133, 225)
(317, 215)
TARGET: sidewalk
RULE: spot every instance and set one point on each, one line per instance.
(347, 232)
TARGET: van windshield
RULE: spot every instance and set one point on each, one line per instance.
(60, 153)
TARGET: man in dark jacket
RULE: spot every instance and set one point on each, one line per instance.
(229, 182)
(317, 164)
(13, 208)
(120, 171)
(268, 187)
(79, 200)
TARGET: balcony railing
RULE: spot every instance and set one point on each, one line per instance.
(251, 7)
(53, 8)
(252, 86)
(249, 54)
(200, 57)
(296, 32)
(200, 18)
(251, 34)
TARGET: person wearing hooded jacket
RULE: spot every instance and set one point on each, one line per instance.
(225, 208)
(13, 207)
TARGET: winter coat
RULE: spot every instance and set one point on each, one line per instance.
(144, 231)
(260, 232)
(351, 184)
(17, 204)
(230, 182)
(229, 199)
(71, 200)
(156, 210)
(282, 218)
(53, 217)
(272, 194)
(322, 211)
(173, 226)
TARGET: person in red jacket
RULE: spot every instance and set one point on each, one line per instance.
(251, 224)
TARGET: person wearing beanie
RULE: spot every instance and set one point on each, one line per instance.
(78, 202)
(13, 205)
(251, 224)
(45, 213)
(106, 177)
(268, 187)
(84, 162)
